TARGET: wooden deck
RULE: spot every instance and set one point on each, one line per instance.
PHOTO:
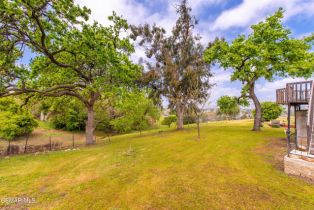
(294, 93)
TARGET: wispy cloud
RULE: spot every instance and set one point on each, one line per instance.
(130, 9)
(270, 87)
(249, 12)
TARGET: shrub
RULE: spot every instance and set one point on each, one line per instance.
(67, 113)
(134, 112)
(189, 120)
(270, 110)
(15, 124)
(169, 120)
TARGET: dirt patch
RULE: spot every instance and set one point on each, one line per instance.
(274, 152)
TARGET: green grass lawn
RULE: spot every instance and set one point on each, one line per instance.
(230, 168)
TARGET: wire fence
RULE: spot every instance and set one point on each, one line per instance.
(51, 142)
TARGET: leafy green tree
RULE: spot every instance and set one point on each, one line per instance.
(228, 106)
(267, 52)
(177, 61)
(271, 110)
(169, 120)
(72, 58)
(134, 112)
(14, 121)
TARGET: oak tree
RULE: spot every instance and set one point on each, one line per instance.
(268, 51)
(70, 56)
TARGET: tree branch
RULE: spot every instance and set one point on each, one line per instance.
(60, 90)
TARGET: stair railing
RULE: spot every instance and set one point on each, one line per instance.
(310, 120)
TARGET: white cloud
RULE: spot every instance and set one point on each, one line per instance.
(249, 12)
(304, 35)
(101, 9)
(220, 76)
(267, 91)
(270, 87)
(140, 13)
(223, 86)
(221, 90)
(132, 10)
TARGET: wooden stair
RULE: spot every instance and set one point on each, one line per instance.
(310, 122)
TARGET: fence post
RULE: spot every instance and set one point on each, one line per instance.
(50, 142)
(9, 148)
(25, 148)
(73, 141)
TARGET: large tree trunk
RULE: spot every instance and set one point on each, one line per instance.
(258, 109)
(90, 125)
(179, 111)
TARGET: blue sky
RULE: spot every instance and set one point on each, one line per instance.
(217, 18)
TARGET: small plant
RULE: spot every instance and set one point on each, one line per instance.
(130, 151)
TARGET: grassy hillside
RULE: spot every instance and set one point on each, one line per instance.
(231, 168)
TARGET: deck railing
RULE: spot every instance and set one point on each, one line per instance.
(281, 96)
(297, 92)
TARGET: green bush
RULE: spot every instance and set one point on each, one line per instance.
(70, 121)
(14, 121)
(8, 104)
(169, 120)
(189, 120)
(134, 112)
(270, 110)
(67, 114)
